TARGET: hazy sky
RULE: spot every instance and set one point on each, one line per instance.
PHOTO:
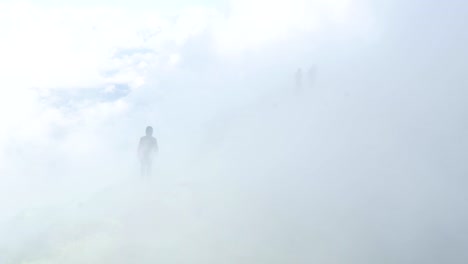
(133, 5)
(367, 165)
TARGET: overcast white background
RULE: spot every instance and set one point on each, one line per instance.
(366, 165)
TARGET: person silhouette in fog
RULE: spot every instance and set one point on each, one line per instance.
(146, 149)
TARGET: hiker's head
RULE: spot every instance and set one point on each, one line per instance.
(149, 131)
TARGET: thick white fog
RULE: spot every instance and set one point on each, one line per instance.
(364, 163)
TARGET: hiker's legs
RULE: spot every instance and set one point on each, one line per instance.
(146, 167)
(149, 166)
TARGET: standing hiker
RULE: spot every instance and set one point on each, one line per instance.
(146, 149)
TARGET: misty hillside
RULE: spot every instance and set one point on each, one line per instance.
(278, 181)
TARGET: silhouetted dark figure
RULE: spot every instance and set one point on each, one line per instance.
(146, 149)
(299, 80)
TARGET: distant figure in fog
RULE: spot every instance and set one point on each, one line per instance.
(146, 149)
(299, 80)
